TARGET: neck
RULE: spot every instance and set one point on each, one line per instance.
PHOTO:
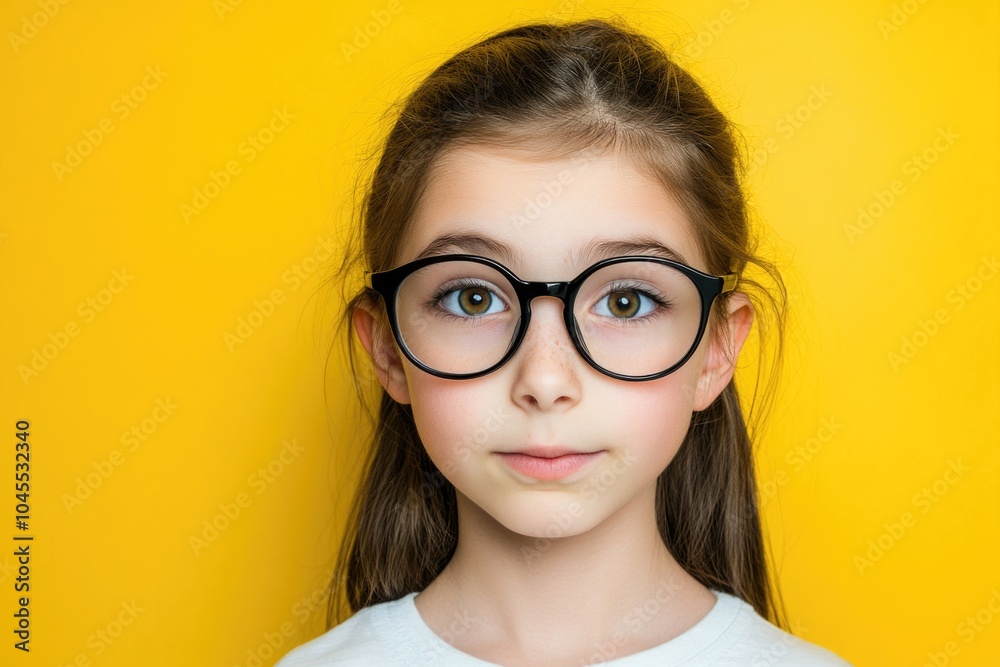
(612, 589)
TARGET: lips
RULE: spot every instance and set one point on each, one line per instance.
(550, 463)
(546, 452)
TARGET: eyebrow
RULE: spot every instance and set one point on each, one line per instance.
(632, 245)
(596, 249)
(474, 243)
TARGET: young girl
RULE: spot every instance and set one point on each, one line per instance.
(561, 472)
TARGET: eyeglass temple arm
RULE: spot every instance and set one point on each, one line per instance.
(729, 282)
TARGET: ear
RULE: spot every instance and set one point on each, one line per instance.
(723, 351)
(380, 346)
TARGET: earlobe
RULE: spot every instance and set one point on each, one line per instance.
(381, 348)
(723, 351)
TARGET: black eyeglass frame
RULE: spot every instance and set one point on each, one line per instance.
(386, 284)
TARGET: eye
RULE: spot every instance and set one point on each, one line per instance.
(471, 300)
(626, 303)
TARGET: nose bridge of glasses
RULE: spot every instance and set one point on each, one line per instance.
(555, 290)
(558, 290)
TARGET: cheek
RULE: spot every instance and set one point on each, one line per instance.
(455, 418)
(653, 417)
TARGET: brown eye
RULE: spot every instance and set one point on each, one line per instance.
(470, 300)
(475, 300)
(623, 304)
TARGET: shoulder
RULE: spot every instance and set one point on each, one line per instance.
(363, 639)
(752, 640)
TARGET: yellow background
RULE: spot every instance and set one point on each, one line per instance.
(869, 85)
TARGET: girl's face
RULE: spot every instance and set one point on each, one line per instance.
(547, 214)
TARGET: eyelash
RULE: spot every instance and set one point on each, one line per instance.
(660, 300)
(435, 300)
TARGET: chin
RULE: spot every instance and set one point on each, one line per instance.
(546, 521)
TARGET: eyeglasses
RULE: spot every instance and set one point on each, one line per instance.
(632, 318)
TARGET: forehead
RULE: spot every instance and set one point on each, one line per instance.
(545, 218)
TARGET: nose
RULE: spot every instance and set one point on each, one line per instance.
(547, 366)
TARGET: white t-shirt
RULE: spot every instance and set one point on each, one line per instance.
(394, 633)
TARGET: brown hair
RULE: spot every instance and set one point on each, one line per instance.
(582, 86)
